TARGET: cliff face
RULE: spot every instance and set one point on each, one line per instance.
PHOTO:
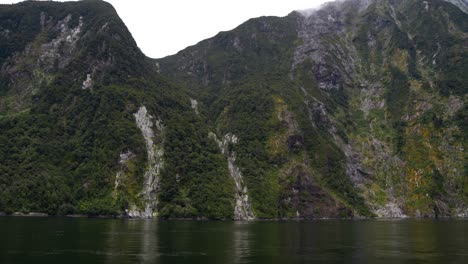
(87, 126)
(77, 44)
(355, 109)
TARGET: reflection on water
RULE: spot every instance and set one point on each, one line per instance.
(149, 240)
(240, 243)
(61, 240)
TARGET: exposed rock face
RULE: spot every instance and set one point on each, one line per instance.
(155, 163)
(36, 64)
(329, 22)
(124, 158)
(390, 210)
(194, 105)
(242, 209)
(301, 194)
(61, 48)
(88, 83)
(309, 199)
(324, 39)
(325, 34)
(462, 212)
(357, 108)
(369, 73)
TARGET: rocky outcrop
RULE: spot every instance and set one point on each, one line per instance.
(242, 208)
(155, 163)
(461, 212)
(194, 105)
(307, 197)
(88, 83)
(353, 109)
(34, 67)
(390, 210)
(60, 51)
(125, 157)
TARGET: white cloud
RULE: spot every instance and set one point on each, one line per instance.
(163, 27)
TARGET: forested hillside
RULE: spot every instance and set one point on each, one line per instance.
(357, 109)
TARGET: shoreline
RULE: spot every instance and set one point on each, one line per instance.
(44, 215)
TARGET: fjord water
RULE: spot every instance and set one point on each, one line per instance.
(65, 240)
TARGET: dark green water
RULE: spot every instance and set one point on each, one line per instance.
(62, 240)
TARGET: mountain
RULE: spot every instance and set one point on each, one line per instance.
(463, 5)
(85, 119)
(356, 109)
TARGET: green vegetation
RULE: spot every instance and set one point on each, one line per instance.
(372, 112)
(195, 181)
(61, 156)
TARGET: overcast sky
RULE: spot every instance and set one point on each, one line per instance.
(163, 27)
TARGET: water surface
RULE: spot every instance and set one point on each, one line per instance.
(66, 240)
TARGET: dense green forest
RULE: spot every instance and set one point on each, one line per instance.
(355, 110)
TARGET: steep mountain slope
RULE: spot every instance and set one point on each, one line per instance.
(87, 127)
(463, 5)
(358, 108)
(355, 109)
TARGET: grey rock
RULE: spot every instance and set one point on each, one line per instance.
(155, 154)
(242, 208)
